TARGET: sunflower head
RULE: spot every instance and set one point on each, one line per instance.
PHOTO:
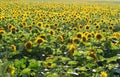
(110, 27)
(52, 32)
(72, 49)
(89, 35)
(42, 36)
(92, 54)
(39, 40)
(2, 30)
(60, 37)
(28, 45)
(117, 34)
(87, 27)
(11, 70)
(103, 74)
(40, 24)
(75, 28)
(99, 36)
(56, 24)
(9, 26)
(47, 25)
(80, 26)
(75, 40)
(79, 34)
(58, 29)
(103, 30)
(97, 26)
(84, 38)
(12, 29)
(13, 47)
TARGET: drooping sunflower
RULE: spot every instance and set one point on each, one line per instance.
(11, 70)
(42, 36)
(72, 49)
(39, 40)
(84, 38)
(92, 54)
(98, 36)
(114, 40)
(23, 23)
(9, 26)
(103, 74)
(75, 40)
(12, 29)
(60, 37)
(2, 30)
(28, 45)
(79, 34)
(13, 47)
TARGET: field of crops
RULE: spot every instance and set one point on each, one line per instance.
(54, 39)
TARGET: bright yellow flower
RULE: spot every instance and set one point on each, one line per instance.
(103, 74)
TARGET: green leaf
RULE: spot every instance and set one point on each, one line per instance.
(25, 71)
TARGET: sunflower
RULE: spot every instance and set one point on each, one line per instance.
(56, 24)
(103, 30)
(72, 49)
(87, 27)
(2, 31)
(110, 27)
(79, 34)
(13, 47)
(28, 45)
(61, 38)
(103, 74)
(69, 41)
(49, 65)
(9, 26)
(80, 26)
(30, 28)
(92, 54)
(11, 70)
(40, 24)
(39, 40)
(75, 40)
(47, 25)
(114, 40)
(42, 36)
(12, 29)
(95, 23)
(74, 28)
(33, 23)
(23, 23)
(117, 34)
(89, 35)
(97, 26)
(99, 36)
(52, 32)
(84, 38)
(58, 29)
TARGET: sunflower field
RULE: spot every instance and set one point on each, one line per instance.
(59, 39)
